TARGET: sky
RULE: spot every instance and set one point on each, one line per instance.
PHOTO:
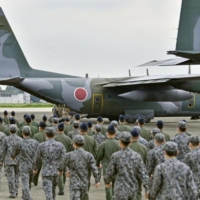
(104, 38)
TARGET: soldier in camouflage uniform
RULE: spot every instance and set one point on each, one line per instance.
(79, 162)
(125, 166)
(140, 149)
(115, 124)
(11, 166)
(122, 127)
(172, 179)
(90, 131)
(160, 125)
(67, 142)
(105, 151)
(181, 140)
(188, 134)
(7, 130)
(98, 136)
(40, 137)
(51, 154)
(68, 127)
(156, 155)
(103, 128)
(2, 127)
(33, 122)
(5, 119)
(26, 151)
(28, 123)
(2, 136)
(75, 132)
(150, 144)
(145, 133)
(13, 116)
(192, 159)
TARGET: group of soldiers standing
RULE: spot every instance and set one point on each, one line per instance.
(126, 158)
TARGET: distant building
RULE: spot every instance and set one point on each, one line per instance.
(11, 96)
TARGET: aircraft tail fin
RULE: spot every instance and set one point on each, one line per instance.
(13, 63)
(189, 26)
(12, 60)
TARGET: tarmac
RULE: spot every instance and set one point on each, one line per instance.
(95, 194)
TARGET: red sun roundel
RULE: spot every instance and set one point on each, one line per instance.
(80, 94)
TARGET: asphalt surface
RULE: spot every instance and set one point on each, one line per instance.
(95, 194)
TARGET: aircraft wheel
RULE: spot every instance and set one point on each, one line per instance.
(131, 120)
(147, 120)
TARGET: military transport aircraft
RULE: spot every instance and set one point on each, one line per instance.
(149, 96)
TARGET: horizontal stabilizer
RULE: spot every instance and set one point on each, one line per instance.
(169, 62)
(11, 81)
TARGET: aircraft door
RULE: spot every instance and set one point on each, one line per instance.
(97, 103)
(191, 102)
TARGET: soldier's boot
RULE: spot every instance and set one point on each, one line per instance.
(35, 177)
(61, 185)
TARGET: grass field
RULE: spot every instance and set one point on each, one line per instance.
(22, 105)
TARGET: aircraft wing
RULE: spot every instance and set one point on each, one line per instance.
(151, 80)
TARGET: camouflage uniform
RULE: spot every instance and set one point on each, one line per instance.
(2, 136)
(73, 133)
(181, 140)
(150, 145)
(78, 163)
(99, 138)
(155, 157)
(143, 141)
(192, 159)
(51, 154)
(26, 151)
(124, 166)
(11, 167)
(173, 180)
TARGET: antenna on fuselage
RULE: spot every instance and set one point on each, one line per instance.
(147, 72)
(86, 76)
(189, 69)
(129, 72)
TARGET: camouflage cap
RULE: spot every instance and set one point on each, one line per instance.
(78, 139)
(155, 131)
(182, 124)
(50, 130)
(114, 123)
(26, 129)
(159, 137)
(55, 120)
(76, 123)
(170, 146)
(13, 127)
(125, 136)
(193, 138)
(98, 127)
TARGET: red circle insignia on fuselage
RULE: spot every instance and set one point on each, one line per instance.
(80, 94)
